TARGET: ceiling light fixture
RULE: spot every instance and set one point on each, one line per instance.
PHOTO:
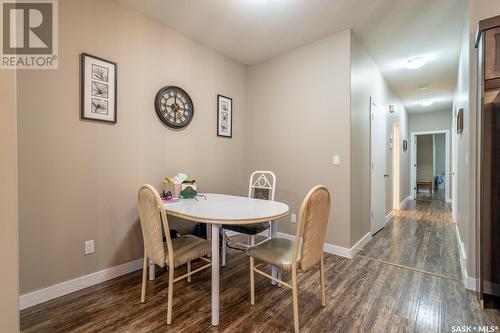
(415, 62)
(423, 86)
(426, 102)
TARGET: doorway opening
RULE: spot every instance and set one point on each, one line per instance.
(430, 160)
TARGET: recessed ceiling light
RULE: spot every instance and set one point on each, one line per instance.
(426, 102)
(423, 86)
(415, 62)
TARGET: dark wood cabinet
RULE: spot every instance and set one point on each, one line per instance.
(488, 205)
(492, 54)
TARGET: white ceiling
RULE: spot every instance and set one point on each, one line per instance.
(251, 31)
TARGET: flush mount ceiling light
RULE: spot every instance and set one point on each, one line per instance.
(423, 86)
(426, 102)
(415, 62)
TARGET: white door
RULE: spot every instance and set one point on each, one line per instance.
(378, 167)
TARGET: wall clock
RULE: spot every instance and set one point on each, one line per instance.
(174, 107)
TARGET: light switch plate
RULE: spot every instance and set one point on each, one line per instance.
(89, 247)
(336, 160)
(293, 218)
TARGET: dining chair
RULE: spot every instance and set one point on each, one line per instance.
(173, 252)
(304, 253)
(262, 185)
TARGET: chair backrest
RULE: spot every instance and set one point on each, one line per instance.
(313, 220)
(152, 215)
(262, 185)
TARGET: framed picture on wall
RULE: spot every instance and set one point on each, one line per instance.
(224, 116)
(460, 121)
(98, 89)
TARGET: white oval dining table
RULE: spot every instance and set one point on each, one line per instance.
(219, 210)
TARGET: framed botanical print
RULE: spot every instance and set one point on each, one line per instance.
(224, 116)
(98, 89)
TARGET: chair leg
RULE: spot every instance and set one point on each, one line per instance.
(279, 277)
(322, 280)
(224, 248)
(295, 302)
(189, 270)
(144, 278)
(170, 294)
(252, 281)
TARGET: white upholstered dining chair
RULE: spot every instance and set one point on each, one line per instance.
(173, 252)
(290, 256)
(262, 185)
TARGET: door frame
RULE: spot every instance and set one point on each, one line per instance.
(396, 165)
(413, 162)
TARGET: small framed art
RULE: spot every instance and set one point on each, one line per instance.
(98, 89)
(460, 121)
(224, 116)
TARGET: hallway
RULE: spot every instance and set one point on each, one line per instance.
(421, 237)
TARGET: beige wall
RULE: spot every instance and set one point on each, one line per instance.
(303, 100)
(9, 279)
(465, 143)
(299, 118)
(430, 121)
(367, 82)
(78, 179)
(424, 157)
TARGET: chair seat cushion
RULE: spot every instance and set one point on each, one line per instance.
(248, 229)
(188, 248)
(277, 252)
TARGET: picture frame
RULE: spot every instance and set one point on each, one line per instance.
(224, 116)
(98, 84)
(460, 121)
(405, 145)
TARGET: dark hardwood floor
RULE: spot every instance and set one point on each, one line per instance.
(406, 279)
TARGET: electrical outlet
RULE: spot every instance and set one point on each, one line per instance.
(89, 247)
(293, 218)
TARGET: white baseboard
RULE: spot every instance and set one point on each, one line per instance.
(405, 201)
(469, 282)
(361, 244)
(338, 250)
(67, 287)
(388, 217)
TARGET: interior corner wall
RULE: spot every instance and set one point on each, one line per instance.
(78, 179)
(298, 119)
(367, 82)
(9, 249)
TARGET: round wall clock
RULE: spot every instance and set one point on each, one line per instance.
(174, 107)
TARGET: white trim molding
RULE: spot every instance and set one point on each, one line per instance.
(338, 250)
(405, 201)
(388, 217)
(469, 282)
(67, 287)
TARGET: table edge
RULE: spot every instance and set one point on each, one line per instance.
(225, 221)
